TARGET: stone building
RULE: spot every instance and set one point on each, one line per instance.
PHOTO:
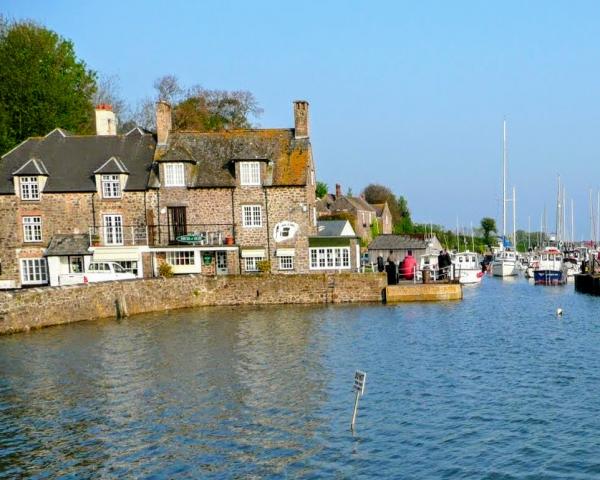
(236, 201)
(398, 246)
(66, 190)
(361, 213)
(384, 217)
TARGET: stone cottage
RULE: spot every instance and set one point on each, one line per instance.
(65, 199)
(236, 201)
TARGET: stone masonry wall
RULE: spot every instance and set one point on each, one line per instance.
(60, 213)
(40, 307)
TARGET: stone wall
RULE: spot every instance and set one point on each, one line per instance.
(40, 307)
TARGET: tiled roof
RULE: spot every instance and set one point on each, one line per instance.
(71, 160)
(214, 155)
(400, 242)
(112, 165)
(62, 245)
(379, 207)
(32, 167)
(331, 228)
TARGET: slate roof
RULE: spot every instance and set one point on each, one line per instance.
(71, 160)
(73, 244)
(399, 242)
(331, 228)
(112, 165)
(33, 167)
(214, 154)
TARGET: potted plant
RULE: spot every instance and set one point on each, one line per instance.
(95, 240)
(229, 240)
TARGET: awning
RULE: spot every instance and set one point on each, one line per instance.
(116, 254)
(285, 252)
(254, 252)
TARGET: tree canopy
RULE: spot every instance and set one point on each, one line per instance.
(43, 85)
(488, 225)
(321, 189)
(377, 193)
(198, 108)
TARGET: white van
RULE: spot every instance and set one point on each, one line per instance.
(97, 272)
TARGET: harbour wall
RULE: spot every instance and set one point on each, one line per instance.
(26, 309)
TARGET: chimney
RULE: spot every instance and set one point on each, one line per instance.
(163, 121)
(301, 119)
(106, 120)
(338, 190)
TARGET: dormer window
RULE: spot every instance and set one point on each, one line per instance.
(249, 173)
(174, 175)
(30, 188)
(111, 186)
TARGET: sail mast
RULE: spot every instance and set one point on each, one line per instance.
(503, 180)
(514, 202)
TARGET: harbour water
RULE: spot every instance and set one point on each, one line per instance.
(494, 386)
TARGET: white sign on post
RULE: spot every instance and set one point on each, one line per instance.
(360, 378)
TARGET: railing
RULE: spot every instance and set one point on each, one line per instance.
(118, 235)
(436, 275)
(210, 234)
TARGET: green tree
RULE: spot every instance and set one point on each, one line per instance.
(321, 189)
(43, 85)
(488, 225)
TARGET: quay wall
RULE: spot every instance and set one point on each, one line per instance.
(25, 309)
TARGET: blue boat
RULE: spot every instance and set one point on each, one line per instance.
(550, 269)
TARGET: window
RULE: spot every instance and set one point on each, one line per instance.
(174, 175)
(111, 186)
(329, 258)
(184, 257)
(252, 216)
(113, 229)
(33, 271)
(286, 263)
(129, 266)
(250, 173)
(75, 264)
(32, 229)
(30, 189)
(251, 263)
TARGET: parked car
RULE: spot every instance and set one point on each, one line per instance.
(97, 272)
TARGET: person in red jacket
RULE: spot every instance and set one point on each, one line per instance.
(409, 265)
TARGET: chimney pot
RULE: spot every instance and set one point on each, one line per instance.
(106, 120)
(338, 190)
(301, 119)
(163, 121)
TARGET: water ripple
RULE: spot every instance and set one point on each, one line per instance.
(492, 387)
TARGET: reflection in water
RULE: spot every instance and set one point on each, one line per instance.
(493, 386)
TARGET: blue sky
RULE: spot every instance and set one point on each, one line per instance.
(409, 94)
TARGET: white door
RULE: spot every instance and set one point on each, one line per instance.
(113, 230)
(222, 263)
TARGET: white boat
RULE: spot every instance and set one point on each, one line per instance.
(504, 263)
(533, 262)
(467, 267)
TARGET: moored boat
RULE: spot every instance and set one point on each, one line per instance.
(467, 267)
(551, 269)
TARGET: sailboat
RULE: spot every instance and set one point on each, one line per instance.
(504, 263)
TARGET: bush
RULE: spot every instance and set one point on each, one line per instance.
(264, 266)
(165, 270)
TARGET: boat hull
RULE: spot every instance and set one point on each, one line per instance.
(549, 277)
(504, 269)
(470, 276)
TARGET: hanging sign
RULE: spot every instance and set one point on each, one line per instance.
(360, 378)
(207, 258)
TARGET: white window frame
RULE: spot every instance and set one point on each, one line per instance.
(249, 173)
(286, 262)
(174, 174)
(252, 216)
(30, 188)
(251, 263)
(32, 229)
(181, 257)
(111, 186)
(34, 271)
(329, 258)
(113, 229)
